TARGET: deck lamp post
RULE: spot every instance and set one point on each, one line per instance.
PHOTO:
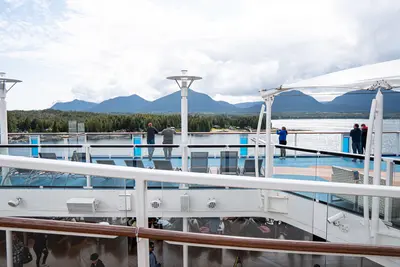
(184, 82)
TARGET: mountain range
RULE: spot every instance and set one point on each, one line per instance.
(290, 101)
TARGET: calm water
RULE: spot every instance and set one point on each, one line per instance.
(317, 141)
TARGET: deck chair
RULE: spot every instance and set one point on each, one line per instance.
(80, 157)
(138, 163)
(105, 161)
(249, 168)
(229, 163)
(53, 156)
(199, 162)
(48, 155)
(164, 165)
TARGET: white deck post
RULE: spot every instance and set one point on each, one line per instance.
(185, 228)
(186, 82)
(377, 162)
(367, 158)
(142, 221)
(268, 148)
(9, 248)
(398, 144)
(389, 182)
(87, 156)
(257, 151)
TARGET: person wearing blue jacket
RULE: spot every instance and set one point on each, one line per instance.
(282, 140)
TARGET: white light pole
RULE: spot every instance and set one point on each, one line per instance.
(184, 85)
(6, 85)
(184, 82)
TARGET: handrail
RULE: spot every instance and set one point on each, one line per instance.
(203, 239)
(140, 174)
(192, 133)
(294, 148)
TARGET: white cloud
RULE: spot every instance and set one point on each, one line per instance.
(100, 49)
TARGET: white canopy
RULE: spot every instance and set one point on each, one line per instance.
(368, 77)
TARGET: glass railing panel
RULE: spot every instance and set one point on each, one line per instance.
(26, 178)
(318, 141)
(390, 144)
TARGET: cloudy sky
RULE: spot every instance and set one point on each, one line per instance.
(93, 49)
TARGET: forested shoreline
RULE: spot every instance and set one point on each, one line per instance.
(57, 121)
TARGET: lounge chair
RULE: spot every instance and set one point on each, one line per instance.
(80, 157)
(229, 163)
(164, 165)
(199, 162)
(138, 163)
(105, 161)
(48, 155)
(249, 168)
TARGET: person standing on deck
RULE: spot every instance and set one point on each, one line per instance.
(151, 138)
(153, 259)
(355, 135)
(96, 262)
(40, 248)
(282, 140)
(168, 139)
(364, 132)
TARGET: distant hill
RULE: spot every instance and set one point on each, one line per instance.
(197, 103)
(121, 104)
(360, 101)
(249, 104)
(291, 101)
(75, 105)
(286, 102)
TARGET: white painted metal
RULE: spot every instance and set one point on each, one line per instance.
(24, 230)
(377, 161)
(142, 221)
(88, 178)
(66, 150)
(367, 157)
(389, 182)
(9, 248)
(186, 82)
(260, 118)
(185, 246)
(140, 174)
(398, 144)
(268, 159)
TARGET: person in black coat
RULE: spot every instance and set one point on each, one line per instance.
(96, 262)
(364, 133)
(356, 140)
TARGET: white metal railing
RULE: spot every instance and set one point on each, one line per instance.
(317, 140)
(141, 176)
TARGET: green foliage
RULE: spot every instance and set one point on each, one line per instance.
(57, 121)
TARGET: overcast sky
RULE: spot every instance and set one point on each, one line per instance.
(93, 49)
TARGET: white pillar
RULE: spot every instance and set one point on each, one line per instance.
(3, 123)
(9, 247)
(367, 159)
(377, 162)
(185, 247)
(389, 182)
(256, 152)
(142, 221)
(88, 177)
(268, 159)
(184, 128)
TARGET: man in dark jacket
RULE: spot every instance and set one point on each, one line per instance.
(355, 135)
(96, 262)
(40, 248)
(364, 133)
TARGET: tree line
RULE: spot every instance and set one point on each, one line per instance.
(57, 121)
